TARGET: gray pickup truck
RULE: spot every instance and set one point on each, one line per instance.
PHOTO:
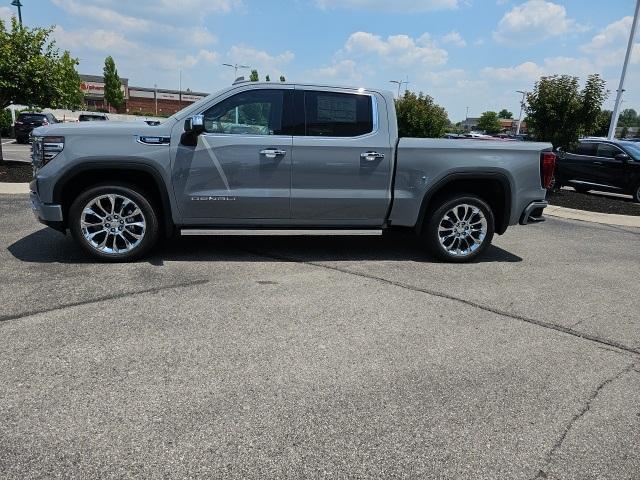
(281, 159)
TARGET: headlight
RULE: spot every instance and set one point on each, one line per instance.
(45, 149)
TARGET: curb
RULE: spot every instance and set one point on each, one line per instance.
(593, 217)
(7, 188)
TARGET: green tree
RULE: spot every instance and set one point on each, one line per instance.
(67, 78)
(112, 85)
(282, 79)
(267, 78)
(30, 67)
(629, 118)
(560, 113)
(419, 116)
(254, 77)
(604, 121)
(489, 122)
(504, 113)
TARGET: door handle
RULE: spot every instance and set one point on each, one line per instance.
(371, 156)
(272, 153)
(598, 163)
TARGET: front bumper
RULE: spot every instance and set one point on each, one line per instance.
(49, 214)
(533, 213)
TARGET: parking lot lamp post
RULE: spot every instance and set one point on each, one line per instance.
(623, 77)
(155, 96)
(16, 3)
(524, 94)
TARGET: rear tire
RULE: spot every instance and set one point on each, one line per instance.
(459, 229)
(636, 194)
(114, 222)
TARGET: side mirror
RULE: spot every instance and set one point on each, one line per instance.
(622, 157)
(194, 125)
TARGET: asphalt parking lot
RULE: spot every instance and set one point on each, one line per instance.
(312, 357)
(15, 152)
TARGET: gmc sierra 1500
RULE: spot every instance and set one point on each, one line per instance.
(281, 159)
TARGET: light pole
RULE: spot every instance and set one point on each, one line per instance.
(16, 3)
(155, 96)
(399, 83)
(236, 67)
(524, 94)
(623, 77)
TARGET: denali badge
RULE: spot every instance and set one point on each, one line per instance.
(213, 199)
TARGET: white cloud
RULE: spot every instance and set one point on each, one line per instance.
(532, 71)
(386, 5)
(454, 38)
(609, 46)
(341, 71)
(534, 21)
(104, 15)
(401, 50)
(204, 56)
(200, 6)
(101, 40)
(5, 14)
(201, 36)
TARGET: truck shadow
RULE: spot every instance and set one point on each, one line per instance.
(48, 246)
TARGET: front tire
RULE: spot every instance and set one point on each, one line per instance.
(114, 222)
(459, 229)
(636, 194)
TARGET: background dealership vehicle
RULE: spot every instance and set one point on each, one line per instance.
(600, 164)
(270, 159)
(92, 117)
(27, 121)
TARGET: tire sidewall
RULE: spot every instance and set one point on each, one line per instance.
(430, 232)
(636, 194)
(135, 194)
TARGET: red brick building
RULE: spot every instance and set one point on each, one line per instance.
(149, 101)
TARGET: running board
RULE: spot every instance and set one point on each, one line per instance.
(276, 232)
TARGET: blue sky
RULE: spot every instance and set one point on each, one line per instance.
(464, 53)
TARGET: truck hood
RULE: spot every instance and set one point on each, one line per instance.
(108, 128)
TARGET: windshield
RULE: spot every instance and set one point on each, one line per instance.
(633, 149)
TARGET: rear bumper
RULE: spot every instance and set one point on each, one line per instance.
(533, 213)
(49, 214)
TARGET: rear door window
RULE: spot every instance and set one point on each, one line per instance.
(330, 114)
(587, 149)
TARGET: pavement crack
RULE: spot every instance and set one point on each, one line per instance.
(114, 296)
(471, 303)
(583, 411)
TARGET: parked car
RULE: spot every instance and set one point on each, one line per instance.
(600, 164)
(282, 159)
(27, 121)
(92, 117)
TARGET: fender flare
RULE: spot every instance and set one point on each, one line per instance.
(123, 165)
(470, 175)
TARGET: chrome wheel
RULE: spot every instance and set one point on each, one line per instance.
(113, 224)
(462, 230)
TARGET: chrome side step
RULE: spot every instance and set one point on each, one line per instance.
(276, 232)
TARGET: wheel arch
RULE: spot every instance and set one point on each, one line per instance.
(493, 187)
(142, 175)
